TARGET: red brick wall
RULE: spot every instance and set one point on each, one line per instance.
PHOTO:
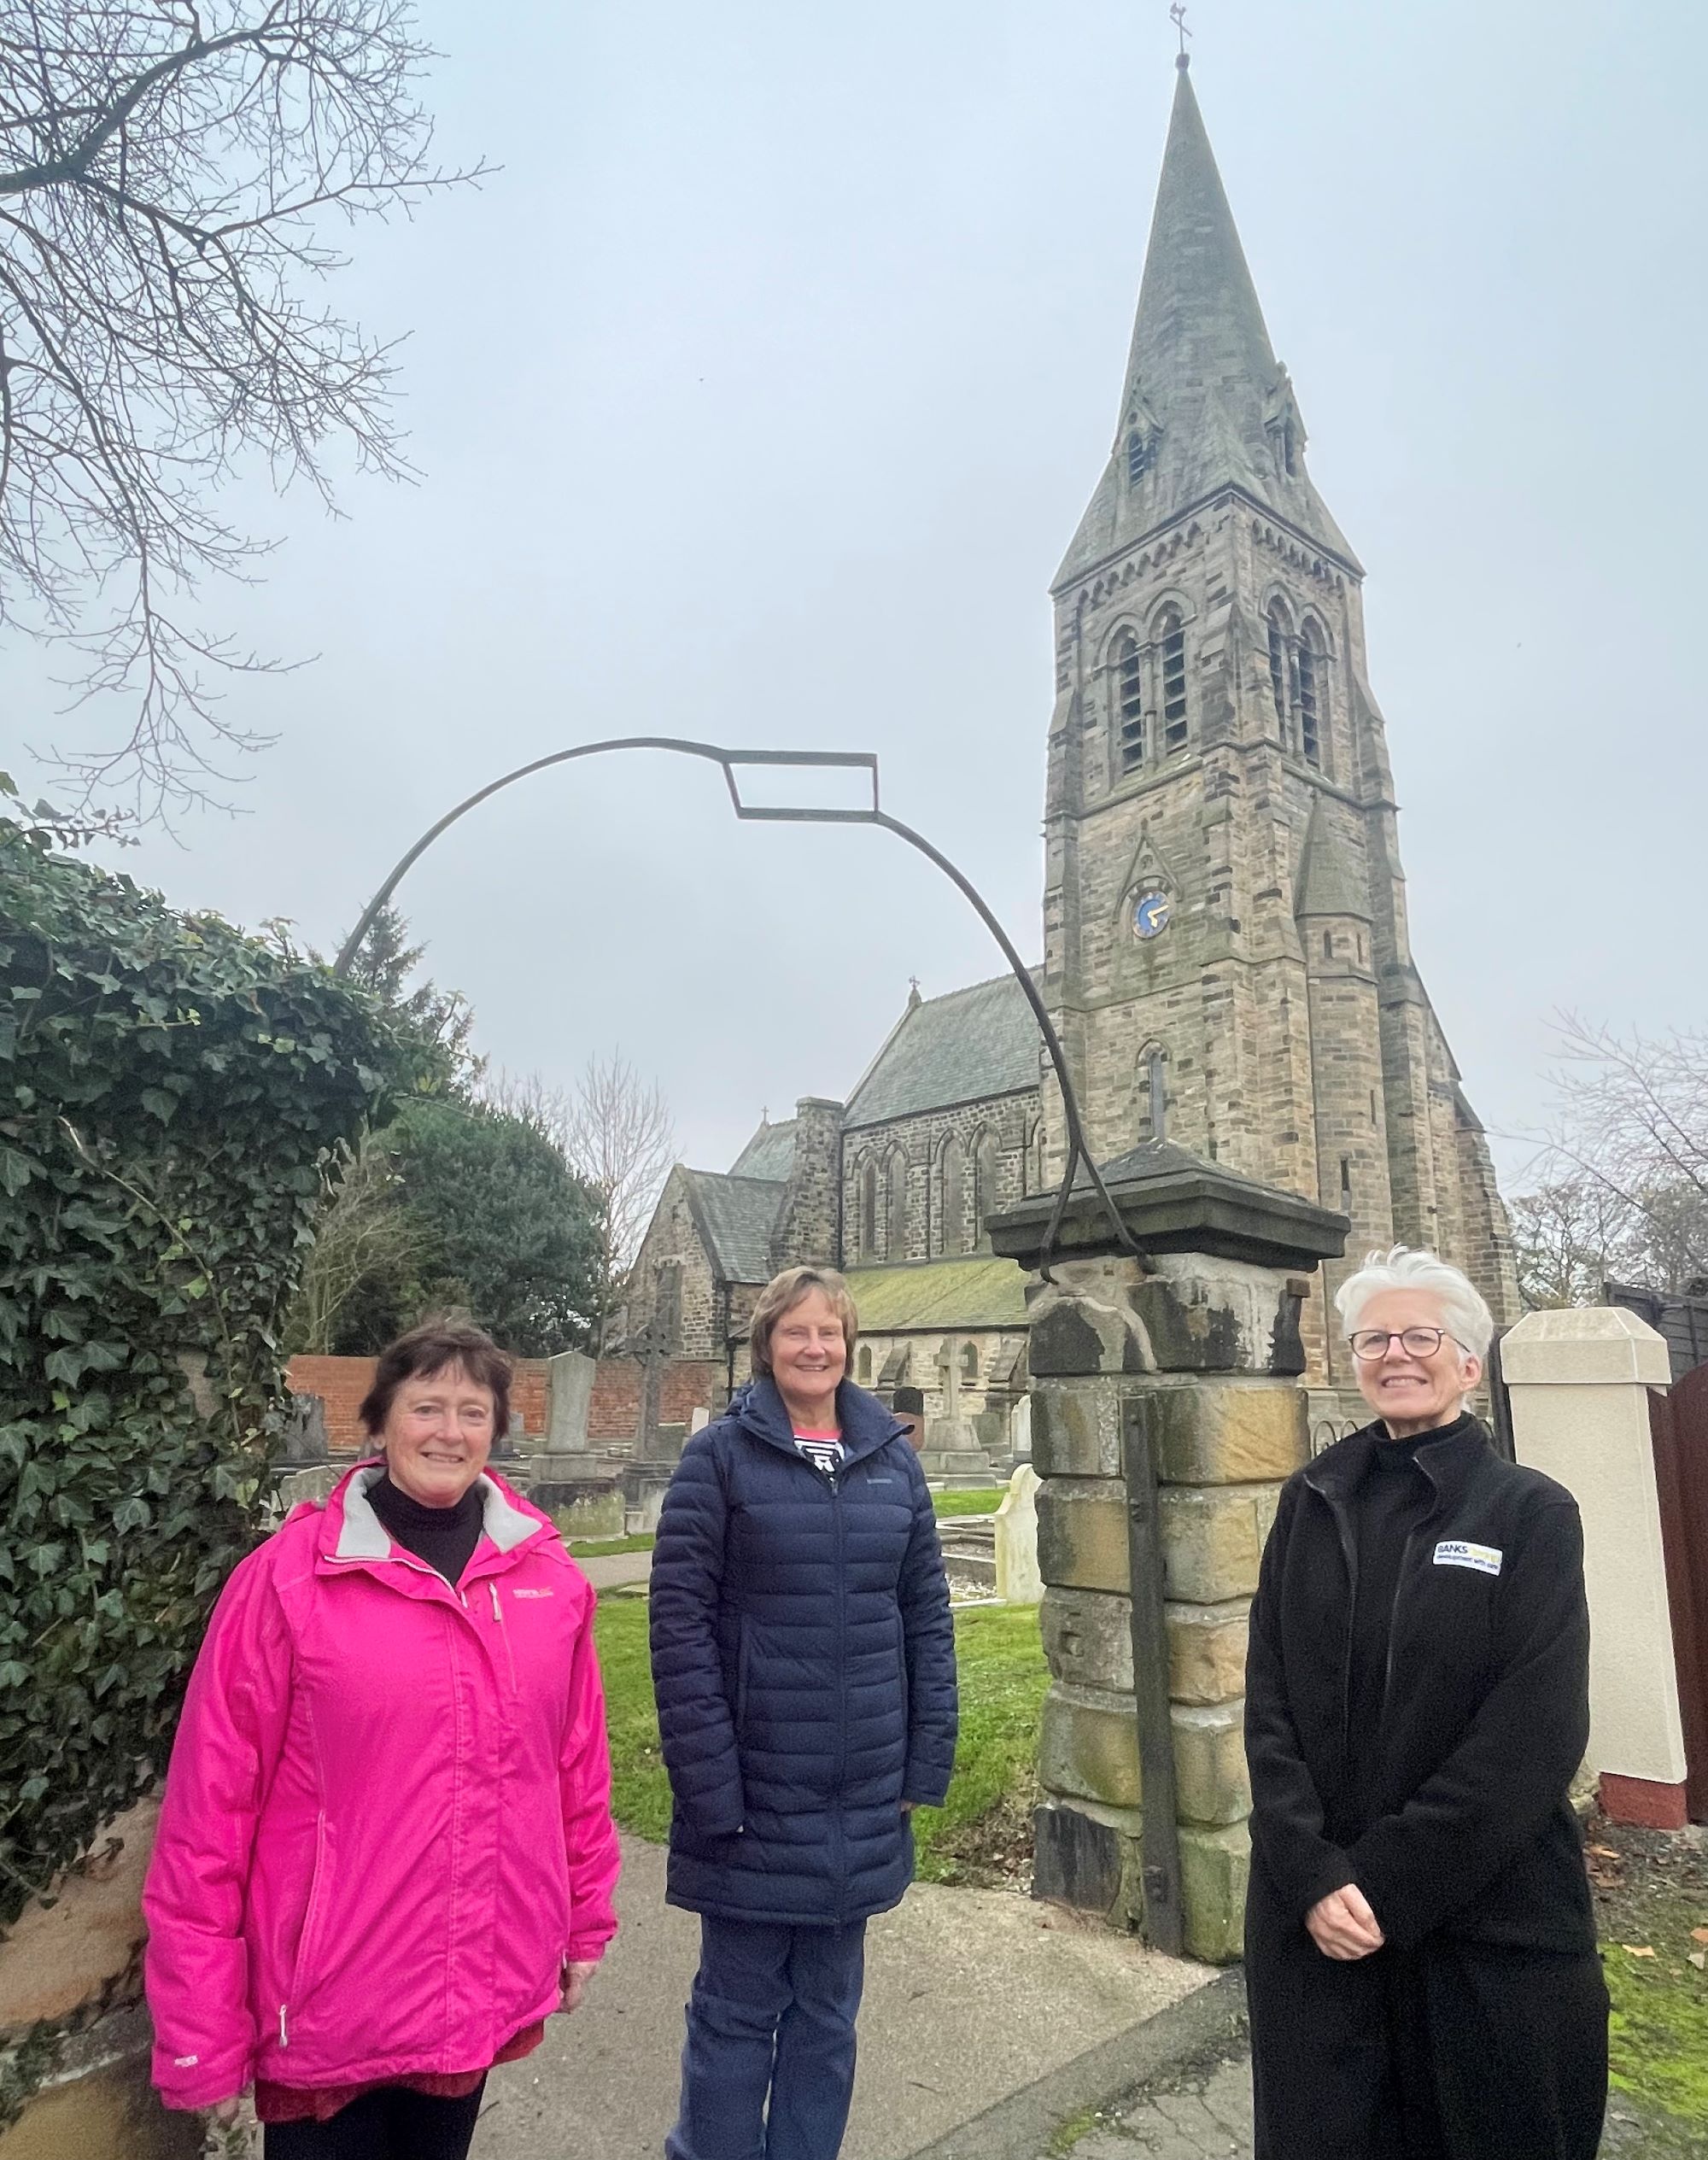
(341, 1382)
(613, 1415)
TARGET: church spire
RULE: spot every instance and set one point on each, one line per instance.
(1205, 404)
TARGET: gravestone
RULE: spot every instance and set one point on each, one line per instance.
(1167, 1409)
(569, 1396)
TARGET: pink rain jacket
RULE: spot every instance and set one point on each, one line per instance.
(387, 1823)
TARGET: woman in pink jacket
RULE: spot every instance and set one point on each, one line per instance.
(385, 1854)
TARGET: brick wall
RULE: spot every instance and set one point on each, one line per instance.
(341, 1382)
(614, 1414)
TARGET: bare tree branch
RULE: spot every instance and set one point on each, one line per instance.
(617, 1134)
(166, 174)
(1624, 1160)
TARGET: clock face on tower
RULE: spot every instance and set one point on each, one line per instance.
(1152, 913)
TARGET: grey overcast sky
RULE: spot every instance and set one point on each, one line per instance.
(756, 398)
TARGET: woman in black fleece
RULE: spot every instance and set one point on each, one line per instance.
(1420, 1955)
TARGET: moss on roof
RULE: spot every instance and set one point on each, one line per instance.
(939, 1295)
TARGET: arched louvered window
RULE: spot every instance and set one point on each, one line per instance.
(869, 1212)
(897, 1242)
(1128, 691)
(1280, 671)
(954, 1188)
(1171, 641)
(1310, 672)
(1138, 455)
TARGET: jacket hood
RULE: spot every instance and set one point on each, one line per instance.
(350, 1529)
(865, 1424)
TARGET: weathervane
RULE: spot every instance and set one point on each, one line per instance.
(1176, 15)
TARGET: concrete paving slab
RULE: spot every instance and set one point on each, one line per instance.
(972, 1997)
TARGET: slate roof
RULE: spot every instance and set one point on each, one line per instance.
(946, 1295)
(981, 1041)
(1202, 368)
(769, 1154)
(736, 1216)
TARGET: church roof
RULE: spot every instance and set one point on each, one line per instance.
(973, 1042)
(946, 1295)
(769, 1154)
(1202, 381)
(1328, 882)
(736, 1217)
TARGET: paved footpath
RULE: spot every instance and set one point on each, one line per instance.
(1205, 2114)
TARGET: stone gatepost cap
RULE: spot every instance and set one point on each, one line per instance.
(1585, 1346)
(1173, 1201)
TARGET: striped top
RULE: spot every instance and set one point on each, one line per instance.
(823, 1449)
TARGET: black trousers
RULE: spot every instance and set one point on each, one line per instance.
(391, 2124)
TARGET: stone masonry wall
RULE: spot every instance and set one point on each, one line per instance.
(1011, 1123)
(1201, 1357)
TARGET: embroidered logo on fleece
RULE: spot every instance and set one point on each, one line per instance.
(533, 1593)
(185, 2061)
(1454, 1552)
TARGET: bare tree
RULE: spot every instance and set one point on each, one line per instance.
(366, 1233)
(617, 1134)
(1565, 1240)
(1630, 1145)
(168, 169)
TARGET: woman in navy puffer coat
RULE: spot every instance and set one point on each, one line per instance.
(803, 1661)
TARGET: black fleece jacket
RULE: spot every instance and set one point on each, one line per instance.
(1451, 1813)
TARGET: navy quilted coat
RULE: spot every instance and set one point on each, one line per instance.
(803, 1661)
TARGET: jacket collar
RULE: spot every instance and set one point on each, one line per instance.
(866, 1425)
(353, 1531)
(1449, 1463)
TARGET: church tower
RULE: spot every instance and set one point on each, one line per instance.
(1226, 954)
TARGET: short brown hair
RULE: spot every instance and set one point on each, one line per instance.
(783, 1293)
(433, 1348)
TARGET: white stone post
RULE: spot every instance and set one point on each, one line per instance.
(1580, 1382)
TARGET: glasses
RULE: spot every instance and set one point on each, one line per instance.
(1371, 1343)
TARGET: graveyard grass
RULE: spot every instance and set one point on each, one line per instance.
(968, 1503)
(1003, 1679)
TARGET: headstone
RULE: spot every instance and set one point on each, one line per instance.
(569, 1394)
(305, 1430)
(584, 1507)
(1018, 1581)
(952, 1457)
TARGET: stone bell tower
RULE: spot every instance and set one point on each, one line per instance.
(1226, 953)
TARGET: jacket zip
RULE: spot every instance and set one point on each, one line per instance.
(503, 1631)
(316, 1884)
(1343, 1531)
(841, 1693)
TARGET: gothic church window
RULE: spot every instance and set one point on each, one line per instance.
(984, 1187)
(897, 1243)
(1138, 455)
(1280, 663)
(1171, 638)
(869, 1212)
(863, 1371)
(1129, 696)
(1310, 693)
(954, 1187)
(969, 1363)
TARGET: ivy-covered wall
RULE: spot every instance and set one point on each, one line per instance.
(169, 1092)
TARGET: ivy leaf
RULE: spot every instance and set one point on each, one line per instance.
(159, 1103)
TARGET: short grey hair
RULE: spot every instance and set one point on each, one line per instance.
(1467, 1317)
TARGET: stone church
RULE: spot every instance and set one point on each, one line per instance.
(1225, 951)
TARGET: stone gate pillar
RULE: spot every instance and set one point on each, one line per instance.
(1166, 1409)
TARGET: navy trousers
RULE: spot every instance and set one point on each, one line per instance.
(767, 2068)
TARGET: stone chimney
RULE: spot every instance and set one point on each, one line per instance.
(809, 1228)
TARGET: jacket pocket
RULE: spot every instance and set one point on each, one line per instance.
(301, 1970)
(744, 1659)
